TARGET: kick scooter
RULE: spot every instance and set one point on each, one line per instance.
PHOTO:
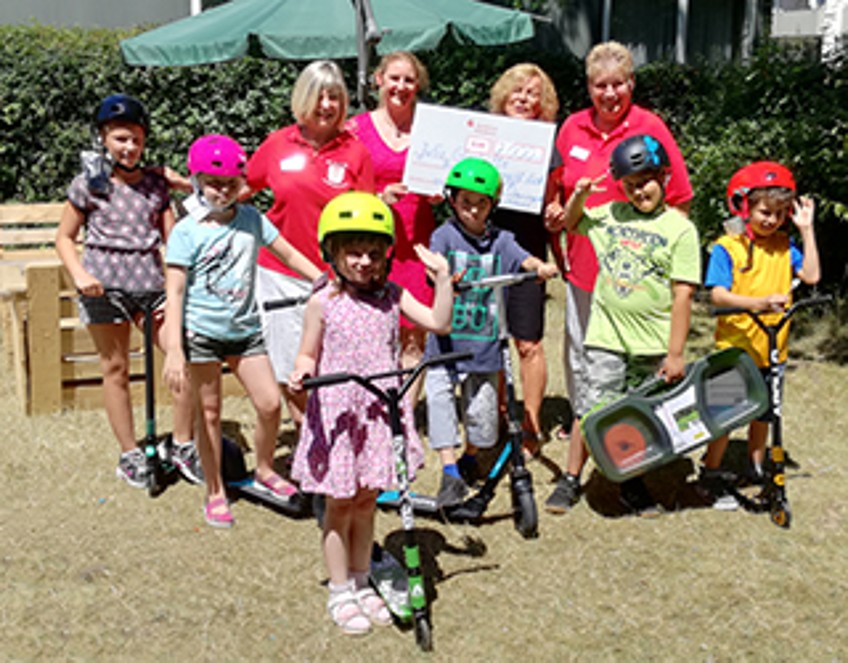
(160, 469)
(773, 497)
(392, 397)
(524, 511)
(236, 476)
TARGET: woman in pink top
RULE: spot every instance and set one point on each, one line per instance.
(385, 132)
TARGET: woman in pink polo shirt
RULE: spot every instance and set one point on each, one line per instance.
(305, 165)
(585, 143)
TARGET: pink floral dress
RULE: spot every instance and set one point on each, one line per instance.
(346, 440)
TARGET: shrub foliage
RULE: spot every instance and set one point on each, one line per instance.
(780, 106)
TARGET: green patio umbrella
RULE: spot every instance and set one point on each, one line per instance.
(312, 29)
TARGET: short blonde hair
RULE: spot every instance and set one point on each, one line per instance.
(517, 74)
(609, 55)
(420, 70)
(313, 80)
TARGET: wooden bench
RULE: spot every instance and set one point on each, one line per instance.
(28, 231)
(48, 350)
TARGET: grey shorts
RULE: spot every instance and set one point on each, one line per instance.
(478, 407)
(282, 327)
(578, 303)
(200, 349)
(117, 306)
(611, 374)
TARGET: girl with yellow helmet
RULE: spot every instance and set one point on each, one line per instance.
(345, 451)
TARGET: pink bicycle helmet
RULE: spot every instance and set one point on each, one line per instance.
(215, 154)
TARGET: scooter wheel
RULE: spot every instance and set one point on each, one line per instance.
(525, 515)
(423, 633)
(781, 515)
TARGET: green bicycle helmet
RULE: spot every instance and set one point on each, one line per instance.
(356, 212)
(476, 175)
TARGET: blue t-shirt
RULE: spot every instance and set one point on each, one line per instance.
(221, 264)
(474, 319)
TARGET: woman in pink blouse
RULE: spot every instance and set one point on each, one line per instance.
(385, 132)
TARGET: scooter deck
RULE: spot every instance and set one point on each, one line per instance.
(296, 506)
(388, 577)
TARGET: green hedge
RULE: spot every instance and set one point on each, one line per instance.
(780, 106)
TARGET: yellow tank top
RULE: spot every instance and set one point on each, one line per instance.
(770, 273)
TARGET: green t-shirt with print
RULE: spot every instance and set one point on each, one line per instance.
(639, 255)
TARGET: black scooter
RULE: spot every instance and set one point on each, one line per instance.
(524, 510)
(773, 497)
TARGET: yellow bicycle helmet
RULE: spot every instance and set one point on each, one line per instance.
(356, 212)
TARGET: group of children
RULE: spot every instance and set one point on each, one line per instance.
(650, 269)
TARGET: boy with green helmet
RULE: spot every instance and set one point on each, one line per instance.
(474, 249)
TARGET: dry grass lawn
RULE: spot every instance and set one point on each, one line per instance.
(92, 570)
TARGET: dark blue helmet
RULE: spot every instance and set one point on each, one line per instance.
(637, 154)
(122, 108)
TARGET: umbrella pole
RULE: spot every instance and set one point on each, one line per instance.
(367, 36)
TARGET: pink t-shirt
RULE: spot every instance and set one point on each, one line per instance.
(585, 152)
(303, 180)
(414, 220)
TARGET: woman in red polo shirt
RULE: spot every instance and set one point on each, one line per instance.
(585, 143)
(305, 165)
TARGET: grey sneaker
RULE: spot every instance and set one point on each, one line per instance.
(451, 492)
(566, 494)
(132, 468)
(187, 460)
(715, 486)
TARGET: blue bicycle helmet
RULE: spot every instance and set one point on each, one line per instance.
(122, 108)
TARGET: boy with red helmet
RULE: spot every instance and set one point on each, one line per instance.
(754, 266)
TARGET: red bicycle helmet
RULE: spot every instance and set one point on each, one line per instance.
(757, 175)
(215, 154)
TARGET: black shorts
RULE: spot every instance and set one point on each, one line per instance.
(525, 311)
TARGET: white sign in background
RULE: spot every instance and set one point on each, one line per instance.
(519, 149)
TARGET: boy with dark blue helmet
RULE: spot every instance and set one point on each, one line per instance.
(650, 265)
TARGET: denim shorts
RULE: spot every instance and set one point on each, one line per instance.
(117, 306)
(200, 349)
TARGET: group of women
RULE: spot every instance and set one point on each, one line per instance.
(324, 153)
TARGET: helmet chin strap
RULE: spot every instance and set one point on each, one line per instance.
(119, 166)
(204, 202)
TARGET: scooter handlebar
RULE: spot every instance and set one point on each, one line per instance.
(286, 302)
(499, 281)
(336, 378)
(815, 300)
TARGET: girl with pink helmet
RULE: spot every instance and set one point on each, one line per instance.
(213, 316)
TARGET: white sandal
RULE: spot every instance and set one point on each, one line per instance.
(374, 606)
(347, 613)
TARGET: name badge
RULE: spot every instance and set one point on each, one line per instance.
(578, 152)
(294, 163)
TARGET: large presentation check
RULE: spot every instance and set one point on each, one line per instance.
(519, 149)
